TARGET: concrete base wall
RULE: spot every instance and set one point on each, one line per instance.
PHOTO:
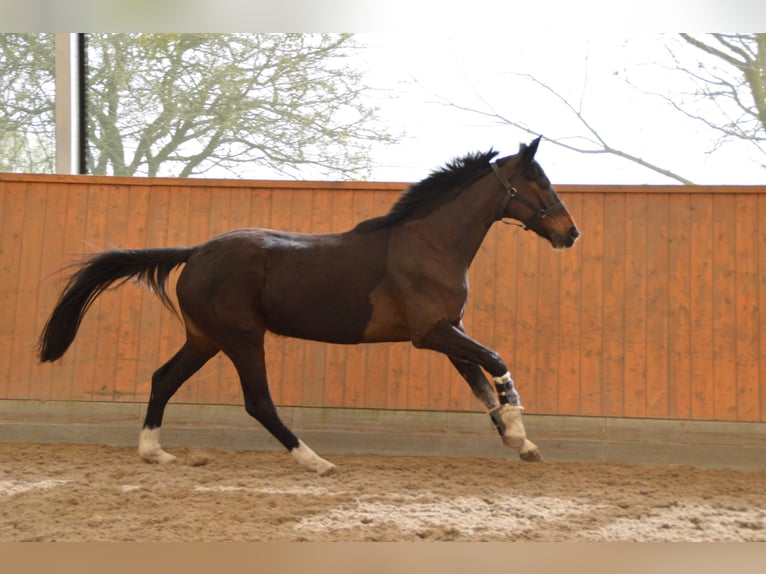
(384, 432)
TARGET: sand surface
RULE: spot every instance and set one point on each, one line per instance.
(92, 493)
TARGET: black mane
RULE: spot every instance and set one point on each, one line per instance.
(454, 174)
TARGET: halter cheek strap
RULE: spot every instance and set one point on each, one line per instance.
(513, 193)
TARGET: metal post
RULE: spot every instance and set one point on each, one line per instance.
(67, 104)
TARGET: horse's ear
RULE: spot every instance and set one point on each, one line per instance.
(528, 151)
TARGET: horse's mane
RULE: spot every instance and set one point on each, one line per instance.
(435, 187)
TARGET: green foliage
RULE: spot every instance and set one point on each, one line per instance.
(27, 130)
(182, 104)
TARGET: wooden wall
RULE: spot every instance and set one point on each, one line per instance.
(655, 313)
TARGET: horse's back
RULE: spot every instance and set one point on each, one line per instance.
(313, 286)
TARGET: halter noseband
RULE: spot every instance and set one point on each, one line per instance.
(513, 193)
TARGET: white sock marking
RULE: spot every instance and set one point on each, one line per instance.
(149, 447)
(307, 458)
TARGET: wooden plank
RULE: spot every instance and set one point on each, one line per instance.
(320, 221)
(11, 237)
(547, 330)
(294, 349)
(108, 330)
(746, 302)
(128, 318)
(151, 310)
(218, 382)
(613, 289)
(505, 269)
(525, 361)
(634, 304)
(71, 244)
(25, 383)
(658, 272)
(82, 354)
(724, 307)
(701, 308)
(570, 349)
(171, 332)
(357, 377)
(761, 258)
(591, 246)
(679, 307)
(377, 355)
(45, 379)
(335, 358)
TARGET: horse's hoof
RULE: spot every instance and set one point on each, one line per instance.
(531, 456)
(326, 469)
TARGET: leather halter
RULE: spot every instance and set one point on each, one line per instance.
(513, 193)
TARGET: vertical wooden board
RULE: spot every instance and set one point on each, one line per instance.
(214, 385)
(278, 359)
(613, 289)
(377, 376)
(761, 258)
(398, 375)
(657, 316)
(679, 307)
(9, 256)
(63, 373)
(506, 306)
(171, 335)
(315, 362)
(724, 306)
(570, 314)
(51, 254)
(334, 393)
(199, 223)
(83, 351)
(450, 390)
(149, 358)
(635, 306)
(219, 211)
(260, 207)
(746, 296)
(300, 221)
(117, 213)
(358, 379)
(547, 330)
(419, 390)
(128, 319)
(701, 308)
(591, 247)
(318, 221)
(11, 240)
(240, 207)
(525, 362)
(24, 383)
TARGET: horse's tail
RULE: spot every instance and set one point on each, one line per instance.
(97, 273)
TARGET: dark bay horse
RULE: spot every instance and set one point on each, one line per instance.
(398, 277)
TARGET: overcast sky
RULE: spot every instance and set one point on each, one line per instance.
(589, 69)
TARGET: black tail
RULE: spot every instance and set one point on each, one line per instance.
(97, 273)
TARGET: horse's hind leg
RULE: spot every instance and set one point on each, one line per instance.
(249, 360)
(165, 382)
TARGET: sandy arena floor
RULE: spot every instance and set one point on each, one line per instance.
(91, 493)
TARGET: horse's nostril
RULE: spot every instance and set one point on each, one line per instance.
(574, 233)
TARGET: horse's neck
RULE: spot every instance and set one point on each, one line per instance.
(458, 228)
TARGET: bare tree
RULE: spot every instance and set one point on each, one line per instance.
(731, 76)
(727, 93)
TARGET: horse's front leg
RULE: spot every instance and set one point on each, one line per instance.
(503, 402)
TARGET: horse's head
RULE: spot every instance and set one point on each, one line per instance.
(531, 199)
